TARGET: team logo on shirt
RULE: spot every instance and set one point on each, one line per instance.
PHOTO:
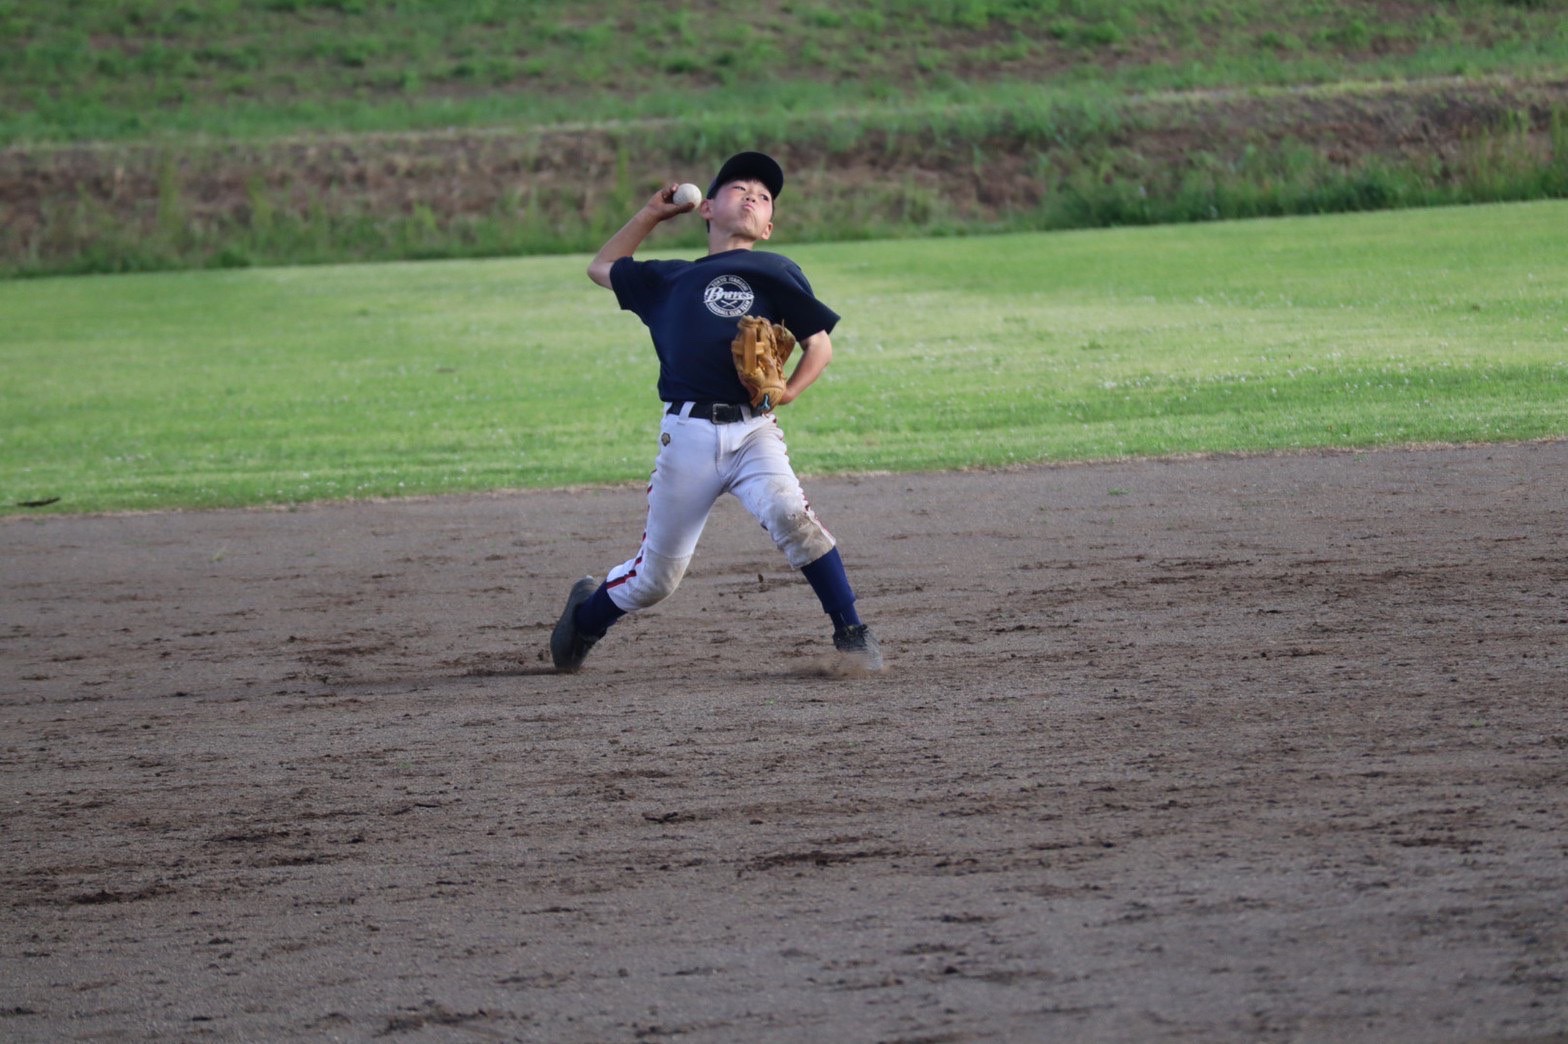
(729, 296)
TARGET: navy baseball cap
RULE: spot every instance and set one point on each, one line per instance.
(755, 166)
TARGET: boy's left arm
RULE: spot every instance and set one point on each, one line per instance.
(816, 352)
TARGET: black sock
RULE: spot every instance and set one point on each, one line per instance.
(597, 613)
(827, 578)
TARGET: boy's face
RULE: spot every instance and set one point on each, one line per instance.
(744, 207)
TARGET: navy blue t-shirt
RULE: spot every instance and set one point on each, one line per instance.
(692, 309)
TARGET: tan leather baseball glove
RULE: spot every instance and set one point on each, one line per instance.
(760, 349)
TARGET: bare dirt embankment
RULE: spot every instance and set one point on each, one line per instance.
(67, 201)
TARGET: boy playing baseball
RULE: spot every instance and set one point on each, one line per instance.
(712, 439)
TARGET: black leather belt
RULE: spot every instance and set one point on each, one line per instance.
(717, 412)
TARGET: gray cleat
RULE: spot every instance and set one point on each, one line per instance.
(858, 642)
(569, 646)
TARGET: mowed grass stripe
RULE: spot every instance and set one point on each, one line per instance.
(277, 386)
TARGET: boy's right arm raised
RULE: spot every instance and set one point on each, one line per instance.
(624, 243)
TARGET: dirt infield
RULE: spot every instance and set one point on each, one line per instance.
(1209, 749)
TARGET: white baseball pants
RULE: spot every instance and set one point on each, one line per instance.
(698, 461)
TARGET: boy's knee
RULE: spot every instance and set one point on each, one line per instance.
(657, 578)
(799, 535)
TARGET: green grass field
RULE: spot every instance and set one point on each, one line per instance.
(280, 386)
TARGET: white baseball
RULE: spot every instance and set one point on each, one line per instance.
(687, 193)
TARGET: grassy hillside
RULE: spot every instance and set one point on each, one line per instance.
(95, 69)
(166, 133)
